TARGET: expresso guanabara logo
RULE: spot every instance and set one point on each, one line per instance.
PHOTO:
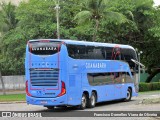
(44, 48)
(95, 65)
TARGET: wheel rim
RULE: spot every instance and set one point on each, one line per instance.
(128, 95)
(84, 101)
(93, 100)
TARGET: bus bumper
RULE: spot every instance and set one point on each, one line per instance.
(58, 101)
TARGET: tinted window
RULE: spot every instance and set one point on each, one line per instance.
(116, 54)
(108, 78)
(44, 48)
(86, 52)
(77, 51)
(99, 78)
(99, 53)
(90, 52)
(127, 55)
(72, 50)
(108, 53)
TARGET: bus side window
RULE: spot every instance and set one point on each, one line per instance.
(81, 50)
(126, 56)
(108, 53)
(128, 77)
(98, 53)
(116, 74)
(135, 67)
(72, 51)
(117, 54)
(123, 55)
(90, 52)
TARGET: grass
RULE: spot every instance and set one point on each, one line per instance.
(12, 97)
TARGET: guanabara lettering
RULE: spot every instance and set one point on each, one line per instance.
(95, 65)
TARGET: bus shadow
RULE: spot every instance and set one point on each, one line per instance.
(61, 109)
(75, 108)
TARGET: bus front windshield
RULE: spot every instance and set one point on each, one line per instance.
(44, 48)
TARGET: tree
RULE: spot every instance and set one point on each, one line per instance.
(36, 20)
(7, 23)
(7, 15)
(133, 22)
(2, 82)
(93, 11)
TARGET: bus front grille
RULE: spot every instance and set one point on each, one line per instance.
(44, 77)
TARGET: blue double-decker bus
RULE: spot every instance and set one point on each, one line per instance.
(78, 73)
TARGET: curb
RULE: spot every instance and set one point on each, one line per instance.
(12, 102)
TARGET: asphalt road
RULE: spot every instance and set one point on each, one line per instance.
(133, 105)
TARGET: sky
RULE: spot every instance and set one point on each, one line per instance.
(157, 2)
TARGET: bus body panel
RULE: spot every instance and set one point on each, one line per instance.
(47, 101)
(38, 67)
(74, 89)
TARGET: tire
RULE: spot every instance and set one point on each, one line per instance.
(50, 107)
(92, 100)
(129, 95)
(83, 102)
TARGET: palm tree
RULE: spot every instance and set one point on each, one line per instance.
(93, 11)
(7, 15)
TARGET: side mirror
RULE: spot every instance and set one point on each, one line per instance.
(138, 63)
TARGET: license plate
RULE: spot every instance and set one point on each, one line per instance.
(43, 102)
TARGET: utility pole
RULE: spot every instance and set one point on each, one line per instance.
(139, 71)
(57, 16)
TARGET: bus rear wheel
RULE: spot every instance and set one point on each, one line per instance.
(83, 102)
(129, 95)
(92, 100)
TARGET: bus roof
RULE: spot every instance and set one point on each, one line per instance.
(76, 42)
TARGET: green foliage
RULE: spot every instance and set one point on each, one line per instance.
(37, 19)
(7, 15)
(149, 86)
(133, 22)
(95, 11)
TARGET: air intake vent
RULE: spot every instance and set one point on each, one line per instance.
(44, 77)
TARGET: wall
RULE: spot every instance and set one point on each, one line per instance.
(13, 82)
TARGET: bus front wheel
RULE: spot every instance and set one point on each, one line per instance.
(129, 95)
(83, 102)
(92, 100)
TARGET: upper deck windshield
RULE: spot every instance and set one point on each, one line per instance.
(44, 48)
